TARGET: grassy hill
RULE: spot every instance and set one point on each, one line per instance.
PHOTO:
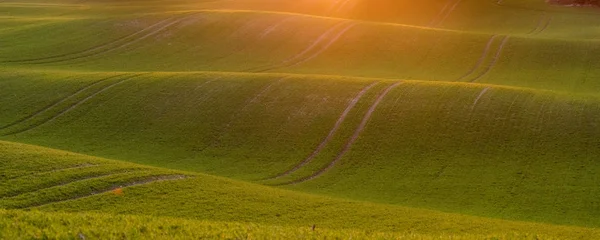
(438, 118)
(52, 180)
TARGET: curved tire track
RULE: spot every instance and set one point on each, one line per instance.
(57, 103)
(353, 139)
(93, 49)
(450, 11)
(483, 92)
(494, 61)
(481, 60)
(73, 106)
(326, 47)
(439, 15)
(108, 190)
(152, 33)
(301, 57)
(542, 25)
(332, 132)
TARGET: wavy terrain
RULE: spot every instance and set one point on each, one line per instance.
(459, 119)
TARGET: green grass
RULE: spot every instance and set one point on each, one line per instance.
(19, 224)
(419, 141)
(205, 199)
(429, 119)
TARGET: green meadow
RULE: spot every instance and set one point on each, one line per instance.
(309, 119)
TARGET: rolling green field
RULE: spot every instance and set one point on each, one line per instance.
(259, 119)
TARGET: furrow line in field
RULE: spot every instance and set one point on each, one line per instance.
(73, 106)
(248, 44)
(76, 167)
(99, 47)
(481, 60)
(273, 27)
(41, 111)
(439, 15)
(298, 57)
(442, 20)
(136, 40)
(542, 25)
(485, 90)
(539, 24)
(507, 115)
(545, 26)
(494, 61)
(327, 46)
(352, 139)
(236, 115)
(67, 183)
(341, 6)
(329, 136)
(76, 179)
(334, 6)
(126, 185)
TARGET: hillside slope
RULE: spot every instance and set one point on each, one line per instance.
(204, 197)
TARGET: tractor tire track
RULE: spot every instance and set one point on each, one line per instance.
(126, 44)
(439, 15)
(96, 48)
(450, 11)
(248, 44)
(494, 61)
(41, 111)
(111, 189)
(354, 137)
(548, 21)
(332, 133)
(327, 46)
(73, 106)
(542, 25)
(302, 55)
(481, 60)
(340, 7)
(68, 168)
(483, 92)
(70, 180)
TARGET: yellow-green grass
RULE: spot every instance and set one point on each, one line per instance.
(260, 210)
(20, 224)
(36, 176)
(499, 123)
(479, 149)
(256, 41)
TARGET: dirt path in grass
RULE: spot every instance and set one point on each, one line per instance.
(352, 139)
(111, 189)
(41, 111)
(73, 106)
(332, 132)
